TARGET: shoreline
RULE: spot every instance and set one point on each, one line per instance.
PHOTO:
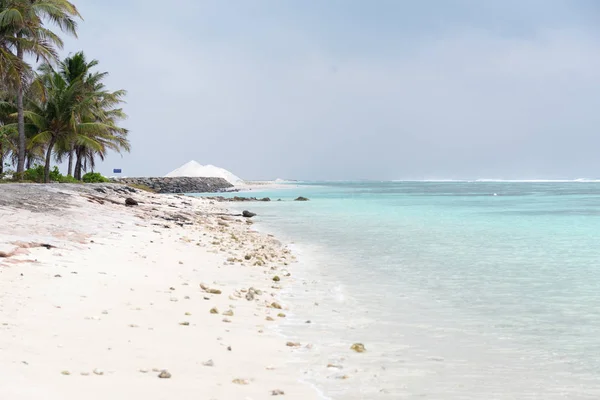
(116, 298)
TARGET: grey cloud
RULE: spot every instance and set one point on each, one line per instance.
(279, 103)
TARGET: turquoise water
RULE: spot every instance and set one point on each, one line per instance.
(481, 290)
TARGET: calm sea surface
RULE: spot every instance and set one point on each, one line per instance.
(481, 290)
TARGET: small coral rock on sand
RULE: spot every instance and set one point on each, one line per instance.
(164, 374)
(228, 313)
(277, 392)
(209, 363)
(130, 202)
(241, 381)
(248, 214)
(276, 305)
(209, 290)
(293, 344)
(276, 278)
(358, 347)
(214, 310)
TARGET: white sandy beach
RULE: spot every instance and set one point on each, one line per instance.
(117, 300)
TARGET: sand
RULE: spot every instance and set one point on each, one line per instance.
(117, 299)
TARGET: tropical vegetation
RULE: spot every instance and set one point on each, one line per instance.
(52, 109)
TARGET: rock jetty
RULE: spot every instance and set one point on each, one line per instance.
(182, 184)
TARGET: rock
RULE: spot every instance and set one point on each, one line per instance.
(293, 344)
(214, 310)
(301, 199)
(308, 322)
(188, 313)
(276, 278)
(334, 366)
(265, 199)
(250, 296)
(227, 320)
(209, 363)
(209, 290)
(164, 374)
(358, 347)
(241, 381)
(184, 323)
(281, 315)
(277, 392)
(248, 214)
(130, 202)
(98, 372)
(247, 257)
(65, 372)
(276, 305)
(143, 370)
(183, 184)
(270, 319)
(228, 313)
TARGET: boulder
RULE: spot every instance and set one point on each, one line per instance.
(301, 199)
(248, 214)
(130, 202)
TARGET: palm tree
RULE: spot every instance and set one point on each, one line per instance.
(24, 33)
(79, 112)
(72, 68)
(101, 110)
(6, 144)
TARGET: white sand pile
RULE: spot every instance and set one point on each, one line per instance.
(195, 169)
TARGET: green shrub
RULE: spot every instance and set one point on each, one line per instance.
(94, 177)
(35, 174)
(68, 179)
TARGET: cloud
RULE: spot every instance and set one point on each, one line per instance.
(259, 91)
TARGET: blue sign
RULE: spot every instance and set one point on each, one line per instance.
(117, 170)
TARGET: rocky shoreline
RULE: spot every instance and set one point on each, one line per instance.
(179, 184)
(240, 199)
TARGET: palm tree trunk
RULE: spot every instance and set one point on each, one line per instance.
(1, 159)
(20, 121)
(27, 161)
(78, 166)
(48, 159)
(70, 169)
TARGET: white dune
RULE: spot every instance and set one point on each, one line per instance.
(195, 169)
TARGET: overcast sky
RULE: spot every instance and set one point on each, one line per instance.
(354, 89)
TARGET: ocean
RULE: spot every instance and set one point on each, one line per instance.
(458, 290)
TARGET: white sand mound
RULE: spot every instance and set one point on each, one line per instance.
(195, 169)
